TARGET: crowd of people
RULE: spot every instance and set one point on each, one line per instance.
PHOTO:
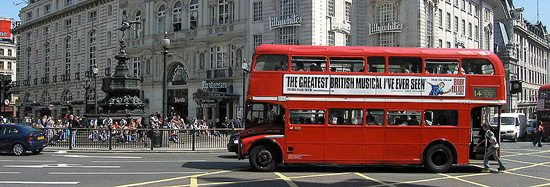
(126, 129)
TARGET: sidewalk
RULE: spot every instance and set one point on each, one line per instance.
(157, 150)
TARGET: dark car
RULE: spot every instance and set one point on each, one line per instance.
(233, 143)
(18, 139)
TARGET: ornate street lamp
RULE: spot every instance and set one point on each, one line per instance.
(245, 71)
(95, 71)
(165, 44)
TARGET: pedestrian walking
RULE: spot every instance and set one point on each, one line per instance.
(491, 149)
(539, 132)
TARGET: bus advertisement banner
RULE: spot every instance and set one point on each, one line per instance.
(374, 85)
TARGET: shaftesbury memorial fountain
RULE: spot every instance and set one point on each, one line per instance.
(122, 88)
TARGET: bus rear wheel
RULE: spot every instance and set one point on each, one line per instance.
(439, 158)
(263, 159)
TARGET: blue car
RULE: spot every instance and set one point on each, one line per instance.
(18, 139)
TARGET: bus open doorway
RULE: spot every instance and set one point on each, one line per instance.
(478, 117)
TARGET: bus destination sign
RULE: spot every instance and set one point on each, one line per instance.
(485, 92)
(374, 85)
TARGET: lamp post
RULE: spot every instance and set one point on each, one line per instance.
(165, 43)
(87, 88)
(95, 71)
(245, 71)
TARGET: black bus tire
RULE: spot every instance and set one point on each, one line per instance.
(262, 159)
(438, 158)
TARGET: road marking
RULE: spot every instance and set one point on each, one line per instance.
(96, 156)
(29, 161)
(373, 179)
(38, 182)
(529, 166)
(520, 154)
(286, 179)
(193, 182)
(122, 173)
(541, 185)
(263, 180)
(434, 179)
(58, 166)
(318, 175)
(145, 161)
(172, 179)
(9, 172)
(529, 176)
(463, 180)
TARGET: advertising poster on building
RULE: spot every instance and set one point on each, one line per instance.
(5, 27)
(374, 85)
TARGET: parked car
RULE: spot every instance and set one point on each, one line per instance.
(19, 138)
(233, 143)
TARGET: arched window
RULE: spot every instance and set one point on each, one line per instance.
(91, 94)
(161, 14)
(139, 27)
(386, 13)
(193, 14)
(179, 77)
(176, 16)
(92, 50)
(67, 96)
(45, 97)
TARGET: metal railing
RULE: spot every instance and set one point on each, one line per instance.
(138, 139)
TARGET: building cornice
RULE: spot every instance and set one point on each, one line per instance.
(79, 7)
(533, 37)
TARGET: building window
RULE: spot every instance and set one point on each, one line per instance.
(387, 39)
(68, 24)
(176, 16)
(1, 52)
(287, 7)
(348, 40)
(193, 14)
(258, 40)
(456, 25)
(67, 56)
(330, 9)
(9, 52)
(29, 15)
(139, 27)
(47, 8)
(448, 22)
(109, 10)
(287, 35)
(331, 36)
(46, 60)
(68, 2)
(223, 12)
(386, 13)
(470, 30)
(92, 50)
(448, 44)
(221, 57)
(440, 43)
(93, 16)
(136, 66)
(348, 11)
(258, 11)
(476, 31)
(476, 12)
(212, 57)
(439, 18)
(463, 27)
(161, 15)
(429, 25)
(108, 67)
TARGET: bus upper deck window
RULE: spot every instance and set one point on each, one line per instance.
(405, 65)
(309, 64)
(271, 63)
(435, 66)
(376, 64)
(477, 66)
(346, 65)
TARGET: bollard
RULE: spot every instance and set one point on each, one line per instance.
(193, 139)
(151, 137)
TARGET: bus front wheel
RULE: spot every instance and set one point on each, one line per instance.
(262, 158)
(439, 158)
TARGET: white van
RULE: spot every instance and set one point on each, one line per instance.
(512, 125)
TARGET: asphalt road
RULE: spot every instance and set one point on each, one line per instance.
(527, 166)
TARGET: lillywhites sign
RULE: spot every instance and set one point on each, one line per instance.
(180, 100)
(374, 85)
(376, 28)
(214, 85)
(286, 20)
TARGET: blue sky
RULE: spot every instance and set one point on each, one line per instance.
(9, 9)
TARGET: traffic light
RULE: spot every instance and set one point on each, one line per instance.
(515, 86)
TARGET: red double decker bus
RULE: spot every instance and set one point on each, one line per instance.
(543, 109)
(368, 105)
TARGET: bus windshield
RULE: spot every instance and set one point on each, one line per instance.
(264, 114)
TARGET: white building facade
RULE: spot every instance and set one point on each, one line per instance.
(427, 23)
(59, 42)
